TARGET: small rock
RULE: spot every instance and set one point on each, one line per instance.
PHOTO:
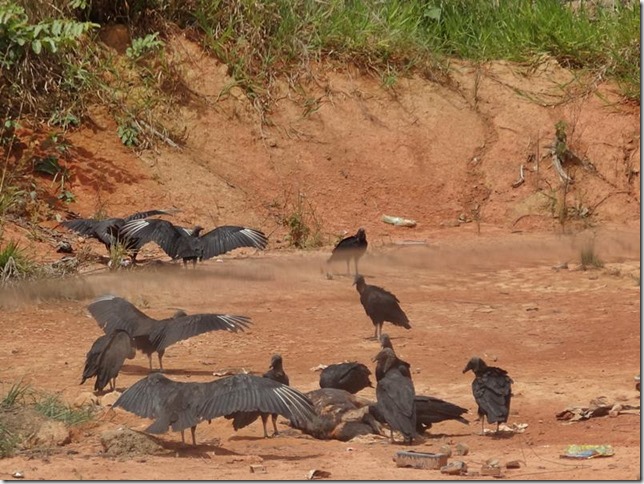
(445, 449)
(487, 470)
(18, 475)
(462, 449)
(317, 474)
(85, 398)
(455, 468)
(52, 433)
(513, 464)
(258, 469)
(123, 441)
(492, 462)
(109, 399)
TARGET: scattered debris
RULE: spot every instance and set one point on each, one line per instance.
(455, 468)
(320, 367)
(420, 460)
(521, 178)
(258, 469)
(398, 221)
(514, 428)
(243, 371)
(462, 449)
(587, 451)
(317, 474)
(492, 467)
(599, 407)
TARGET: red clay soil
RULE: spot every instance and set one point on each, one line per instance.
(475, 275)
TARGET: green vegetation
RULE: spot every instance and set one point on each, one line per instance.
(14, 264)
(23, 410)
(52, 407)
(40, 44)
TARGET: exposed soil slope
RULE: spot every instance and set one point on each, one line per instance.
(445, 156)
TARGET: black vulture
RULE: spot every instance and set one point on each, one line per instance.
(242, 419)
(188, 244)
(351, 377)
(106, 357)
(352, 247)
(396, 404)
(405, 368)
(492, 389)
(152, 335)
(180, 405)
(431, 410)
(108, 230)
(380, 305)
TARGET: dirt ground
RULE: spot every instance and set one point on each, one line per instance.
(445, 156)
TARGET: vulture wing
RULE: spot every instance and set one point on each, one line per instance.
(170, 331)
(228, 237)
(251, 393)
(93, 356)
(171, 239)
(112, 313)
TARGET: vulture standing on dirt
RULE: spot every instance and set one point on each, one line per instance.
(492, 389)
(243, 419)
(180, 405)
(395, 395)
(188, 244)
(380, 305)
(109, 230)
(352, 247)
(152, 335)
(106, 357)
(405, 368)
(431, 410)
(351, 377)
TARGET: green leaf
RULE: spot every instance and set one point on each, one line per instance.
(36, 46)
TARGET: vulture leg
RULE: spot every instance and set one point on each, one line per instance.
(391, 436)
(160, 353)
(497, 427)
(274, 419)
(356, 261)
(264, 419)
(193, 430)
(183, 438)
(348, 270)
(150, 360)
(113, 384)
(375, 335)
(482, 426)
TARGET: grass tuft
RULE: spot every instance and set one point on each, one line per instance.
(52, 407)
(589, 258)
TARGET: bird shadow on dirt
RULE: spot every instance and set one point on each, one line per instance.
(142, 370)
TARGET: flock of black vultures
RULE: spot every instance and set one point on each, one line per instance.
(244, 398)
